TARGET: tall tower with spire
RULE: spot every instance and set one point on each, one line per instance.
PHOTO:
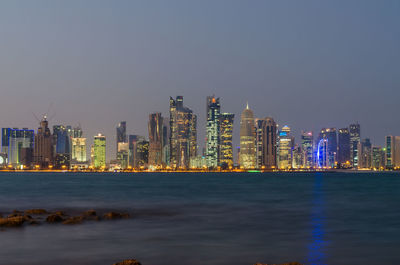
(43, 149)
(247, 158)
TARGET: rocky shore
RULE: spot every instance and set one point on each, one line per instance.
(135, 262)
(41, 216)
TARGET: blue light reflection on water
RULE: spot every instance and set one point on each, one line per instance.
(316, 254)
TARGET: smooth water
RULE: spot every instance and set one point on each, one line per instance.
(208, 218)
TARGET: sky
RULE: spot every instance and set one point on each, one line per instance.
(307, 64)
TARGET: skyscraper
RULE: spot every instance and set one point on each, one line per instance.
(183, 134)
(307, 145)
(285, 148)
(355, 137)
(155, 127)
(344, 146)
(79, 149)
(62, 143)
(20, 147)
(365, 154)
(259, 127)
(99, 151)
(121, 134)
(43, 149)
(269, 143)
(247, 140)
(392, 152)
(330, 135)
(226, 135)
(378, 157)
(213, 131)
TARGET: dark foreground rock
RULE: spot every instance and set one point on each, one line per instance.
(128, 262)
(290, 263)
(115, 215)
(55, 218)
(36, 211)
(15, 221)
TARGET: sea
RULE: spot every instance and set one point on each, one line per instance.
(324, 218)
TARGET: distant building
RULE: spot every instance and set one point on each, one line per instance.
(79, 149)
(156, 137)
(247, 140)
(226, 136)
(166, 146)
(269, 143)
(20, 146)
(62, 146)
(378, 157)
(43, 148)
(183, 134)
(198, 162)
(344, 149)
(330, 135)
(322, 158)
(365, 154)
(123, 155)
(355, 138)
(259, 127)
(213, 131)
(121, 135)
(142, 153)
(392, 152)
(99, 151)
(298, 157)
(285, 147)
(307, 145)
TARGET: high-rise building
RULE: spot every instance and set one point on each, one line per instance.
(285, 148)
(378, 157)
(247, 158)
(183, 134)
(259, 127)
(156, 137)
(331, 136)
(344, 146)
(21, 142)
(226, 135)
(99, 151)
(355, 137)
(166, 146)
(322, 159)
(307, 145)
(132, 144)
(142, 152)
(79, 149)
(269, 143)
(43, 148)
(5, 139)
(213, 131)
(365, 154)
(298, 157)
(392, 152)
(121, 134)
(77, 132)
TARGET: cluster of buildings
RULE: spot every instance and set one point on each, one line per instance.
(172, 145)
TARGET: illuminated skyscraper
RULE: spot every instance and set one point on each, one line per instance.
(259, 127)
(79, 149)
(155, 127)
(378, 157)
(43, 148)
(62, 143)
(365, 154)
(142, 152)
(344, 146)
(297, 157)
(20, 147)
(285, 147)
(269, 143)
(307, 145)
(355, 137)
(99, 151)
(213, 130)
(247, 140)
(392, 152)
(330, 135)
(322, 153)
(121, 134)
(226, 135)
(183, 134)
(166, 146)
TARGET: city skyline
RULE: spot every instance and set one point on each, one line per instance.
(305, 69)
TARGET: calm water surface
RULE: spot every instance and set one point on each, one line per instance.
(216, 219)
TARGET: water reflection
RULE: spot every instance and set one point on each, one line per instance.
(316, 249)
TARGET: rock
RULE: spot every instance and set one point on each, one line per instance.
(12, 221)
(73, 220)
(90, 213)
(290, 263)
(54, 218)
(36, 211)
(128, 262)
(61, 213)
(115, 215)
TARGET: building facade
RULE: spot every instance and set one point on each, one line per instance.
(99, 152)
(156, 137)
(285, 148)
(226, 137)
(213, 132)
(307, 145)
(43, 148)
(344, 149)
(247, 158)
(355, 138)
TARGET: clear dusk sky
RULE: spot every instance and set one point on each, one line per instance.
(307, 64)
